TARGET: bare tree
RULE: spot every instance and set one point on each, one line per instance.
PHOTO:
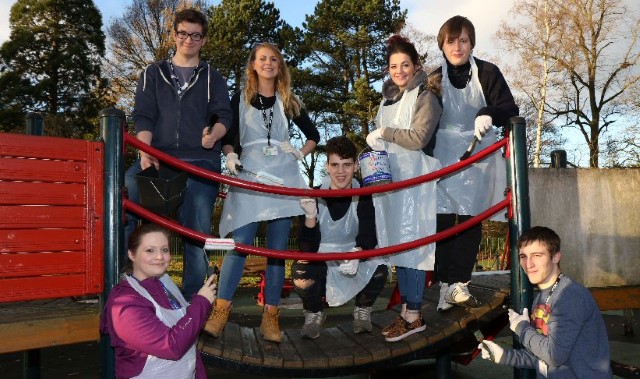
(584, 53)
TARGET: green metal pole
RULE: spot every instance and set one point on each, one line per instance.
(517, 174)
(112, 122)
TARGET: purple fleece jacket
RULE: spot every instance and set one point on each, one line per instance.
(136, 332)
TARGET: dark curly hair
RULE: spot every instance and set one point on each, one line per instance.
(343, 147)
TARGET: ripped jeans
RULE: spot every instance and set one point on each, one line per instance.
(310, 279)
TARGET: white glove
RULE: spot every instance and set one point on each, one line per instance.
(375, 141)
(349, 267)
(288, 148)
(232, 162)
(309, 207)
(542, 367)
(516, 318)
(491, 351)
(482, 125)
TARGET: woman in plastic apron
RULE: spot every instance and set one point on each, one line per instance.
(468, 112)
(152, 327)
(408, 214)
(266, 154)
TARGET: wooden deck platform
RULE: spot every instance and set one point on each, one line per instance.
(36, 324)
(338, 351)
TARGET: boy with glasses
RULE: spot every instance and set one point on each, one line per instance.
(182, 109)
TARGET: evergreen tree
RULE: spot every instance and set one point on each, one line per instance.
(345, 47)
(52, 59)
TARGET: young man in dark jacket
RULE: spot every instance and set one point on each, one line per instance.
(176, 101)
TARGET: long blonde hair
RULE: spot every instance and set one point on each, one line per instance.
(291, 102)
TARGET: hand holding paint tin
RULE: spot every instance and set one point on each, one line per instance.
(374, 166)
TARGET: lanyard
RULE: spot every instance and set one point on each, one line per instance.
(172, 299)
(267, 121)
(180, 88)
(553, 288)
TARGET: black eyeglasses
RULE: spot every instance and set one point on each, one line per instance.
(194, 36)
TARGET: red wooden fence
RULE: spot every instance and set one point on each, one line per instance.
(51, 217)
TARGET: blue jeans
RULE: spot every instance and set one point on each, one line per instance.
(411, 284)
(233, 263)
(194, 213)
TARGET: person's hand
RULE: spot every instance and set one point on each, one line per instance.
(147, 161)
(516, 318)
(232, 162)
(491, 351)
(208, 139)
(482, 125)
(309, 207)
(375, 141)
(349, 267)
(288, 148)
(209, 289)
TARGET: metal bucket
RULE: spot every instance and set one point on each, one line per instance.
(374, 168)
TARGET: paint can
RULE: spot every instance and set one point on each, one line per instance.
(374, 168)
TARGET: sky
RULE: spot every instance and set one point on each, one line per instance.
(425, 15)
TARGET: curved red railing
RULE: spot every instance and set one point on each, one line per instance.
(285, 254)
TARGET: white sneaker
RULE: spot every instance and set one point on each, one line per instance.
(458, 294)
(443, 305)
(362, 320)
(312, 323)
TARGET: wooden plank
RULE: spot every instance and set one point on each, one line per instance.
(45, 323)
(250, 349)
(360, 354)
(42, 240)
(232, 342)
(271, 353)
(26, 193)
(290, 356)
(36, 264)
(378, 347)
(94, 274)
(43, 287)
(19, 145)
(42, 216)
(44, 170)
(211, 345)
(312, 355)
(614, 298)
(338, 354)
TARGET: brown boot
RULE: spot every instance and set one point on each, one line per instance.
(269, 328)
(218, 318)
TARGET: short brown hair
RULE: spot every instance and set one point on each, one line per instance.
(452, 28)
(543, 235)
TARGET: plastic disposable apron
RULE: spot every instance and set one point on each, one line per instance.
(242, 206)
(482, 184)
(408, 214)
(340, 236)
(156, 367)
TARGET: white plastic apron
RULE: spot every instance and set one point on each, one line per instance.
(408, 214)
(481, 185)
(242, 207)
(155, 367)
(340, 236)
